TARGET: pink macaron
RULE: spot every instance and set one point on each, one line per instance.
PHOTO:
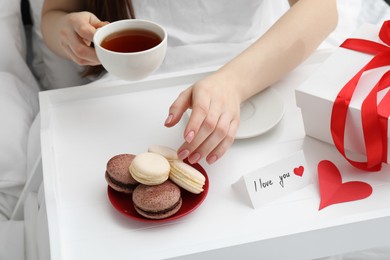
(157, 201)
(118, 175)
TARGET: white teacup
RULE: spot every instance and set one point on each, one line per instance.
(133, 65)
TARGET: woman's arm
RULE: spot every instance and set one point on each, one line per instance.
(285, 45)
(215, 100)
(68, 30)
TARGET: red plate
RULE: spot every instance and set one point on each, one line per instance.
(124, 204)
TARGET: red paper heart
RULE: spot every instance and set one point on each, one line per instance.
(333, 191)
(299, 171)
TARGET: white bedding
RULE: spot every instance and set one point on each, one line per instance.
(18, 105)
(352, 14)
(19, 148)
(18, 108)
(12, 240)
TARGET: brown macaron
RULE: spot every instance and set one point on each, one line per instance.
(157, 201)
(118, 176)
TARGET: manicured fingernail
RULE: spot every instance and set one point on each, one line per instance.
(183, 154)
(212, 159)
(169, 119)
(190, 136)
(194, 158)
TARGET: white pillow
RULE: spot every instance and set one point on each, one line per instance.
(51, 70)
(18, 108)
(13, 41)
(12, 27)
(18, 104)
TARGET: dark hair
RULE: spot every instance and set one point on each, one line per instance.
(107, 10)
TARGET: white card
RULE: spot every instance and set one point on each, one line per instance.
(277, 179)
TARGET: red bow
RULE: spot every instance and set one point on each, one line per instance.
(374, 127)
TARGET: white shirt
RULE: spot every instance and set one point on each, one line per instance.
(204, 33)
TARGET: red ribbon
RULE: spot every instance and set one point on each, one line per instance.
(374, 124)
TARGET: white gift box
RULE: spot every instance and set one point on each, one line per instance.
(316, 95)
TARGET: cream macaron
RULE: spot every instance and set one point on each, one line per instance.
(165, 151)
(187, 177)
(150, 168)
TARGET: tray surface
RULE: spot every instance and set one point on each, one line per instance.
(82, 127)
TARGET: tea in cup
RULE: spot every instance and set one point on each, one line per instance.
(131, 49)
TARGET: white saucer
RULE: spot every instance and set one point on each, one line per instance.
(259, 114)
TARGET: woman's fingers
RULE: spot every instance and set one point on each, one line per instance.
(202, 123)
(215, 136)
(211, 128)
(80, 53)
(77, 36)
(213, 124)
(224, 145)
(178, 107)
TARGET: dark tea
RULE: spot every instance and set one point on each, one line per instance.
(132, 40)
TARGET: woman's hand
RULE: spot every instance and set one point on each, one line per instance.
(76, 35)
(214, 120)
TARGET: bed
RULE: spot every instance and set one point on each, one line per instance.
(28, 67)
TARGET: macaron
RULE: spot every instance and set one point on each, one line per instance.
(118, 175)
(157, 201)
(187, 177)
(169, 153)
(150, 168)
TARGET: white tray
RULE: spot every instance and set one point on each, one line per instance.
(83, 127)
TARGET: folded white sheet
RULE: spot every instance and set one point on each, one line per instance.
(12, 240)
